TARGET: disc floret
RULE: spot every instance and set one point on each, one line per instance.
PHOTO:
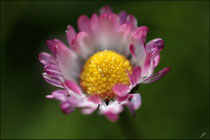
(102, 71)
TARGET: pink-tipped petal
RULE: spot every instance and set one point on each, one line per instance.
(74, 87)
(53, 72)
(47, 59)
(121, 90)
(94, 25)
(153, 48)
(123, 16)
(61, 47)
(155, 45)
(124, 35)
(84, 23)
(65, 58)
(59, 95)
(52, 67)
(135, 76)
(52, 45)
(106, 31)
(82, 45)
(49, 96)
(94, 99)
(157, 76)
(75, 101)
(56, 47)
(109, 22)
(122, 98)
(87, 104)
(138, 40)
(132, 50)
(70, 34)
(156, 59)
(62, 96)
(125, 30)
(111, 110)
(66, 107)
(105, 10)
(141, 33)
(148, 68)
(111, 116)
(134, 103)
(88, 110)
(106, 35)
(52, 81)
(131, 20)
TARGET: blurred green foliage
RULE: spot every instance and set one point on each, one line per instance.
(177, 106)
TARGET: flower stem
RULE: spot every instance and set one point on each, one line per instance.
(126, 124)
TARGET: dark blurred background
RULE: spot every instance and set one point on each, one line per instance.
(177, 106)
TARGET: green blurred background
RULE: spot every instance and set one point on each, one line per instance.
(177, 106)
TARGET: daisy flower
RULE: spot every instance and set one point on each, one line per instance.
(105, 60)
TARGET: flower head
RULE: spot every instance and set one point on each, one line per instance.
(105, 61)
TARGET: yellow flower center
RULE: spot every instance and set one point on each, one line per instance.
(102, 71)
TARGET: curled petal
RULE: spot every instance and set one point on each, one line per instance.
(138, 40)
(153, 48)
(132, 50)
(84, 23)
(105, 10)
(141, 33)
(135, 76)
(156, 59)
(70, 34)
(46, 59)
(157, 76)
(155, 45)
